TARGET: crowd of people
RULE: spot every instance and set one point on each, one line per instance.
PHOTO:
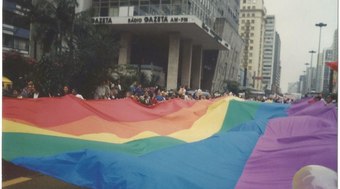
(151, 95)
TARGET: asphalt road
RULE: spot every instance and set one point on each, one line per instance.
(15, 177)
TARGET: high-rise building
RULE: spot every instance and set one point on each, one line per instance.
(277, 65)
(334, 77)
(323, 76)
(271, 56)
(187, 38)
(335, 45)
(293, 87)
(251, 29)
(15, 28)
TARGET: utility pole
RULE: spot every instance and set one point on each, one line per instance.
(319, 66)
(311, 69)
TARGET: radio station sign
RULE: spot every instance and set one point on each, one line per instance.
(161, 19)
(142, 20)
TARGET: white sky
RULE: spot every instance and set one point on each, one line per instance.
(295, 23)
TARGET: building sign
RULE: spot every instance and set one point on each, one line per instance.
(161, 19)
(141, 20)
(158, 19)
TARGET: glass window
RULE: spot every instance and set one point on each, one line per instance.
(7, 40)
(113, 11)
(104, 11)
(176, 2)
(165, 1)
(155, 2)
(123, 3)
(134, 2)
(144, 2)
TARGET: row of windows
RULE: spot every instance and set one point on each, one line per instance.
(11, 41)
(247, 27)
(203, 9)
(248, 21)
(248, 7)
(245, 34)
(249, 1)
(247, 15)
(250, 48)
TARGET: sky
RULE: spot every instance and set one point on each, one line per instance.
(295, 23)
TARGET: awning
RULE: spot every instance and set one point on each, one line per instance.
(6, 80)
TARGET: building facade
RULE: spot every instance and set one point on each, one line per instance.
(251, 29)
(335, 47)
(268, 53)
(15, 28)
(174, 35)
(277, 65)
(293, 87)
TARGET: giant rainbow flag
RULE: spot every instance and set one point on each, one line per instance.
(224, 143)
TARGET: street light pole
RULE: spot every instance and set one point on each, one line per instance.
(311, 69)
(318, 63)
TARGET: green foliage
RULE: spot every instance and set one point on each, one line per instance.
(17, 68)
(75, 52)
(233, 86)
(126, 81)
(48, 76)
(53, 23)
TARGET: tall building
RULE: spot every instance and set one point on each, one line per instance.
(277, 65)
(302, 85)
(335, 45)
(271, 57)
(334, 77)
(323, 74)
(176, 35)
(251, 29)
(15, 28)
(310, 72)
(293, 87)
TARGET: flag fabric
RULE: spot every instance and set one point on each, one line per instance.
(333, 65)
(221, 143)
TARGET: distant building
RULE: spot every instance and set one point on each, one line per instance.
(251, 29)
(15, 28)
(277, 65)
(336, 58)
(302, 85)
(271, 56)
(293, 87)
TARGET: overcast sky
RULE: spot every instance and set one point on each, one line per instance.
(295, 23)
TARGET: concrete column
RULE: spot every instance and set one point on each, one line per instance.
(125, 49)
(173, 60)
(186, 62)
(196, 70)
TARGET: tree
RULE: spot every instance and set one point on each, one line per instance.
(53, 24)
(233, 86)
(74, 51)
(17, 68)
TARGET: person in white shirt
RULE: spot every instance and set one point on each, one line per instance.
(75, 93)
